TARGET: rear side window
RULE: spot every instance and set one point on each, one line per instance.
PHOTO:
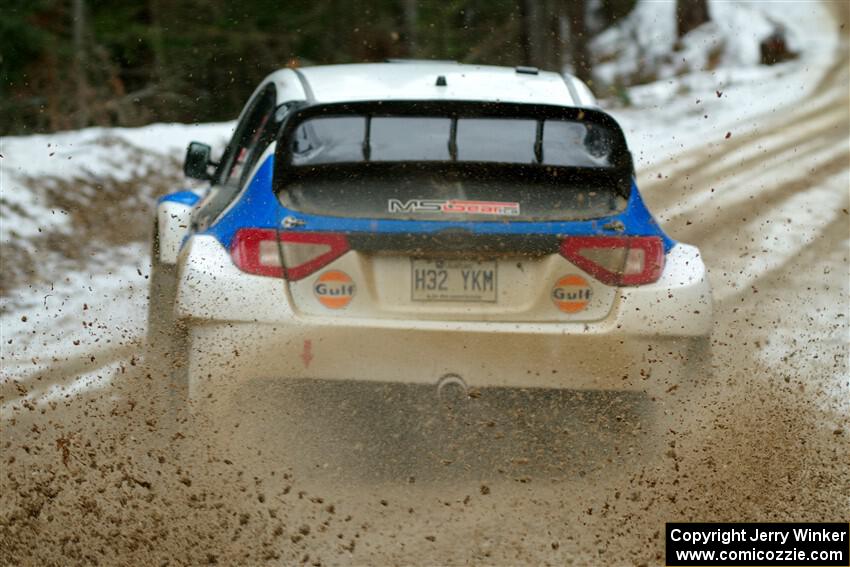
(252, 136)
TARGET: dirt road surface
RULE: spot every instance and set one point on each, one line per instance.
(100, 477)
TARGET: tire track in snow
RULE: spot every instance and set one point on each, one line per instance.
(735, 190)
(766, 124)
(730, 166)
(829, 242)
(763, 204)
(63, 377)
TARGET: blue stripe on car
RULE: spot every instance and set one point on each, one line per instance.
(258, 207)
(255, 207)
(181, 197)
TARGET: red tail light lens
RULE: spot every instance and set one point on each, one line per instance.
(258, 251)
(617, 260)
(306, 252)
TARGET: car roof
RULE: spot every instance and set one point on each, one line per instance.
(418, 80)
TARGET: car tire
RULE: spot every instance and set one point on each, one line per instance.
(166, 338)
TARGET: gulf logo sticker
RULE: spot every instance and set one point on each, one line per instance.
(571, 293)
(334, 289)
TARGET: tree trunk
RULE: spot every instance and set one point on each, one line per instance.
(577, 12)
(411, 24)
(531, 33)
(80, 63)
(690, 14)
(563, 39)
(555, 36)
(160, 69)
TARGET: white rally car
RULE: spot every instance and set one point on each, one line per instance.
(431, 223)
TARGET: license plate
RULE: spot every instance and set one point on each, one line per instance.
(453, 280)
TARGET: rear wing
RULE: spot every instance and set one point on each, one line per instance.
(601, 149)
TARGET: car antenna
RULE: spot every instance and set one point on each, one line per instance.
(441, 81)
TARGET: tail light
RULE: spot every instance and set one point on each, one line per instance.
(259, 250)
(617, 260)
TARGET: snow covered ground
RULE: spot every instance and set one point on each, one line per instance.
(696, 109)
(713, 142)
(94, 154)
(78, 294)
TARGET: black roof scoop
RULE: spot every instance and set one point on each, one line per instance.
(525, 70)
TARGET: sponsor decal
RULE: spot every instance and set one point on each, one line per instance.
(456, 206)
(334, 289)
(571, 293)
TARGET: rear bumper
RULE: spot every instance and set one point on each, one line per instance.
(226, 356)
(237, 334)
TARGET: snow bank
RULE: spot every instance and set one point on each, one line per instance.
(698, 108)
(645, 46)
(75, 268)
(117, 154)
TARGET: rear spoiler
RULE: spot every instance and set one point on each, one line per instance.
(621, 158)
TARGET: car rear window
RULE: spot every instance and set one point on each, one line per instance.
(454, 168)
(347, 139)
